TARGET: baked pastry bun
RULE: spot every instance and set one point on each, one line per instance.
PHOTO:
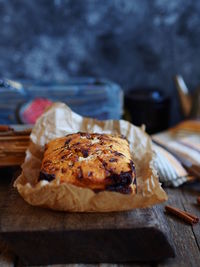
(95, 161)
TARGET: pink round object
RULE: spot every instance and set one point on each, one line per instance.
(34, 109)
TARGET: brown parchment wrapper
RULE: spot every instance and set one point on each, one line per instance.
(58, 121)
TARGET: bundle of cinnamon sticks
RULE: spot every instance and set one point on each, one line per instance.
(183, 215)
(13, 144)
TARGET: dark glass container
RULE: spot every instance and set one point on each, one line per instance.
(149, 106)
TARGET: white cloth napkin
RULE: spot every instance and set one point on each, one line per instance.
(184, 141)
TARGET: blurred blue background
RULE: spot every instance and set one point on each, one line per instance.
(134, 43)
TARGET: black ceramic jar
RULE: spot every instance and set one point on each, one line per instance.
(149, 106)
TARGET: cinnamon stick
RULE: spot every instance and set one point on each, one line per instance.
(5, 128)
(16, 137)
(196, 219)
(184, 215)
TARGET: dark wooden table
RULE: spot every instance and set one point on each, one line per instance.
(186, 238)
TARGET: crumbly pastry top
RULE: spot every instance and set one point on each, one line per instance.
(95, 161)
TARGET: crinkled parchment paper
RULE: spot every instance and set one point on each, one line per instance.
(58, 121)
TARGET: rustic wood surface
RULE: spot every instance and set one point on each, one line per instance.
(124, 236)
(186, 238)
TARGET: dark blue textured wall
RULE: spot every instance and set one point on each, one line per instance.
(133, 42)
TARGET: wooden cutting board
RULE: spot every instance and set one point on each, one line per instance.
(41, 236)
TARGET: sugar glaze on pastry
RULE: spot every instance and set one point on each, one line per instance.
(95, 161)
